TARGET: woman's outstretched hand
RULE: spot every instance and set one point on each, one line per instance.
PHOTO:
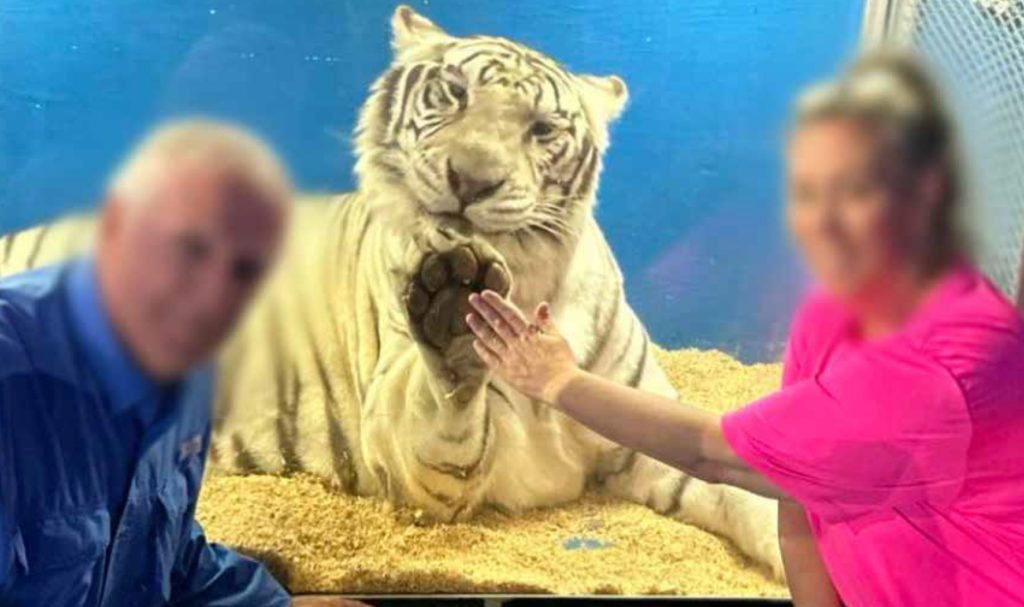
(532, 356)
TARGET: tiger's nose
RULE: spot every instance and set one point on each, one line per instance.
(469, 188)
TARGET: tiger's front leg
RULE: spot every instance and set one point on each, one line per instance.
(433, 448)
(437, 302)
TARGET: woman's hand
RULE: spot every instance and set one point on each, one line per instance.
(537, 361)
(531, 356)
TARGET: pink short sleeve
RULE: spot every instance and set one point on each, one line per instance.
(884, 427)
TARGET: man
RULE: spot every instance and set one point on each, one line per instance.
(106, 385)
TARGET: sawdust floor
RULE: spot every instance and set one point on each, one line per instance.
(317, 540)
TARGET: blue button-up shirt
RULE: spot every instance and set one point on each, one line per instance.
(100, 466)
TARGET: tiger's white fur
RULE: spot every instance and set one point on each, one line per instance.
(327, 375)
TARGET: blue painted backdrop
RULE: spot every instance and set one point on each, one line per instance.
(691, 193)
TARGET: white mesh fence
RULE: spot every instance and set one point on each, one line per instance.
(977, 49)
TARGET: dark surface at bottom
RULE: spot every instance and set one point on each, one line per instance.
(574, 602)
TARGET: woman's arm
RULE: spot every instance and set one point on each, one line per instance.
(682, 436)
(809, 582)
(537, 361)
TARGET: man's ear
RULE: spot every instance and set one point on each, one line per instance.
(604, 96)
(410, 29)
(111, 216)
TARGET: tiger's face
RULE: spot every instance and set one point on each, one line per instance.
(484, 130)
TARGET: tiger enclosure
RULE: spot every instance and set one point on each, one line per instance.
(620, 161)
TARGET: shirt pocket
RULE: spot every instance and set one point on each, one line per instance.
(65, 541)
(61, 560)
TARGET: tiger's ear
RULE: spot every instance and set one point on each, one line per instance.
(410, 29)
(604, 96)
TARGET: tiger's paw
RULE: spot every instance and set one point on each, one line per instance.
(437, 302)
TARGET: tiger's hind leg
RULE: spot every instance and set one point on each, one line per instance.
(747, 520)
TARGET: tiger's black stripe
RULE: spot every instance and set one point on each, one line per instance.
(409, 83)
(37, 246)
(287, 404)
(388, 94)
(500, 393)
(587, 182)
(482, 76)
(589, 161)
(634, 379)
(342, 463)
(560, 153)
(388, 168)
(9, 246)
(554, 88)
(675, 504)
(244, 460)
(599, 347)
(464, 472)
(288, 428)
(538, 96)
(458, 511)
(548, 68)
(472, 56)
(588, 147)
(447, 500)
(627, 346)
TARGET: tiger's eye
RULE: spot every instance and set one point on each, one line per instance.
(457, 90)
(540, 129)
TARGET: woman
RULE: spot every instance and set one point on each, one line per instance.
(896, 444)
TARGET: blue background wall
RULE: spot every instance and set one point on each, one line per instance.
(691, 193)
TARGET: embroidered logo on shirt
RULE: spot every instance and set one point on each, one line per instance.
(190, 447)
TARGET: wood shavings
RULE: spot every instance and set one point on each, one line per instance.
(318, 540)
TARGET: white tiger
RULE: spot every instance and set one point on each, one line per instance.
(478, 163)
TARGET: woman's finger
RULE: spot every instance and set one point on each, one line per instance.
(485, 333)
(543, 316)
(491, 358)
(508, 311)
(493, 318)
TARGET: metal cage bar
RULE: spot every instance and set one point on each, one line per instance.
(977, 47)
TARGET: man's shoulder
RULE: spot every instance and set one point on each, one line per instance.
(198, 391)
(25, 304)
(22, 294)
(36, 282)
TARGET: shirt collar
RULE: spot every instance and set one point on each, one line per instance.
(122, 380)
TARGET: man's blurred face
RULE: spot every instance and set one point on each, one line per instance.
(178, 269)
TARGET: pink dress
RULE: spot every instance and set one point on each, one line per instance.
(907, 452)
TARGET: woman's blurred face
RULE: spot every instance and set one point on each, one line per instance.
(844, 209)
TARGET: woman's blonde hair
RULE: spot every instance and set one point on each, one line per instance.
(893, 92)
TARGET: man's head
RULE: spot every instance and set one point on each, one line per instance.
(191, 223)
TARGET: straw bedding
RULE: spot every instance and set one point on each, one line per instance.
(317, 540)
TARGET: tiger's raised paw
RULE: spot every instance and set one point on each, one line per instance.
(437, 298)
